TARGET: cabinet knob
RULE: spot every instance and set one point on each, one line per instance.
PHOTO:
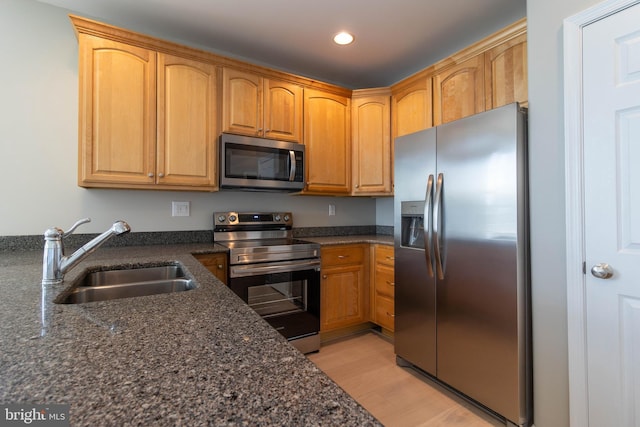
(161, 175)
(343, 256)
(390, 315)
(391, 283)
(324, 276)
(220, 266)
(357, 186)
(150, 175)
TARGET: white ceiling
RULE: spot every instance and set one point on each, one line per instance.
(394, 38)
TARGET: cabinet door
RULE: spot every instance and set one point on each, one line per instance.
(117, 113)
(342, 300)
(371, 147)
(342, 292)
(216, 263)
(459, 91)
(327, 135)
(506, 73)
(412, 107)
(241, 102)
(282, 110)
(186, 122)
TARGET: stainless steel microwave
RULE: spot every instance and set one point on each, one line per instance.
(258, 164)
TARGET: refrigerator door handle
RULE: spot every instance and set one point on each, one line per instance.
(438, 227)
(428, 212)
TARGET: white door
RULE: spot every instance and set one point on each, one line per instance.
(611, 135)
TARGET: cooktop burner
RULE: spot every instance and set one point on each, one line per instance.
(260, 237)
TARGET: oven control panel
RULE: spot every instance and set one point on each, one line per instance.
(254, 219)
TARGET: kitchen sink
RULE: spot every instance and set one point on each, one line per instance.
(106, 285)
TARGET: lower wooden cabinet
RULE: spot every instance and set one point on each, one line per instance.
(382, 287)
(344, 286)
(216, 263)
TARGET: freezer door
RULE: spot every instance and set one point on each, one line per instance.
(415, 326)
(482, 298)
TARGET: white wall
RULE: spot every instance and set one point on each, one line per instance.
(38, 147)
(547, 198)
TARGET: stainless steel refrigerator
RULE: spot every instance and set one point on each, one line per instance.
(461, 259)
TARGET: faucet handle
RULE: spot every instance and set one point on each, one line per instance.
(76, 225)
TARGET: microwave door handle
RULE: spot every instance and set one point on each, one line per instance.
(292, 165)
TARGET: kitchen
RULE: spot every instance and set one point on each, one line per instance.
(39, 130)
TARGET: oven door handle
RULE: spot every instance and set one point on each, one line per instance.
(273, 267)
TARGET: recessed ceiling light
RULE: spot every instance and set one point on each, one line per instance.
(343, 38)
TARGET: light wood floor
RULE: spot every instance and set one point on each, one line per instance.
(365, 367)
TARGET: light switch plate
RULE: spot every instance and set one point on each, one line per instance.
(180, 208)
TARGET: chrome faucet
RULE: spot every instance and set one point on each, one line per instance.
(55, 264)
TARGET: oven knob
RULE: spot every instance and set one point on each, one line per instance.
(232, 218)
(221, 218)
(276, 217)
(287, 218)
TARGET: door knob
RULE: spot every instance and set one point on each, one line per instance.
(602, 271)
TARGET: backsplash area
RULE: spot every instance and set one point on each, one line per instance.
(36, 242)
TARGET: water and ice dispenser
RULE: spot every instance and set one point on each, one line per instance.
(412, 225)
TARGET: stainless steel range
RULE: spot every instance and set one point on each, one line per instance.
(276, 275)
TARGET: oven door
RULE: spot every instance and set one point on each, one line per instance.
(286, 294)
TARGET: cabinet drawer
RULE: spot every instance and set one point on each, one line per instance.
(384, 255)
(385, 313)
(384, 281)
(343, 255)
(215, 263)
(212, 259)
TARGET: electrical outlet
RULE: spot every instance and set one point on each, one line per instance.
(180, 208)
(332, 210)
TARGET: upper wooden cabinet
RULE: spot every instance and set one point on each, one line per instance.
(259, 106)
(371, 142)
(485, 75)
(117, 113)
(147, 119)
(458, 91)
(186, 123)
(412, 105)
(327, 137)
(506, 73)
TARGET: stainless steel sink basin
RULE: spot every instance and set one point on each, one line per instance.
(126, 283)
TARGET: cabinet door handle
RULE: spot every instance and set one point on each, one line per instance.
(390, 315)
(391, 283)
(390, 258)
(343, 256)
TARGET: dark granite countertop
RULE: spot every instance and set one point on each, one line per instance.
(200, 357)
(358, 238)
